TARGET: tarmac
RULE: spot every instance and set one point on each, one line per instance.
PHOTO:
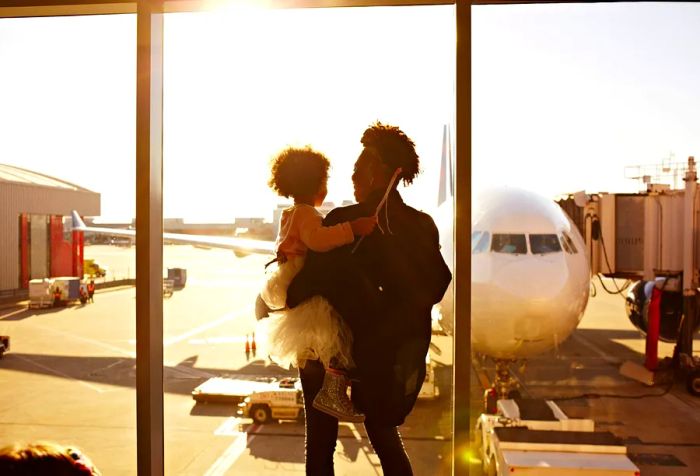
(70, 377)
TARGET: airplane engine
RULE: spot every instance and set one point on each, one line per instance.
(637, 307)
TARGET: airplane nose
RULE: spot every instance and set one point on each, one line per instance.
(537, 281)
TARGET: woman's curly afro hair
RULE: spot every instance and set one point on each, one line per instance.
(395, 149)
(298, 172)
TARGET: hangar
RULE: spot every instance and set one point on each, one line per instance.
(34, 242)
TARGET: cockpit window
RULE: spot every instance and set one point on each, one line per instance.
(475, 238)
(565, 245)
(568, 244)
(509, 243)
(542, 244)
(480, 243)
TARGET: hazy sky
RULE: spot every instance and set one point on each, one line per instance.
(564, 96)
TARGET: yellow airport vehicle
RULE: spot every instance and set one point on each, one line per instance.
(283, 403)
(93, 269)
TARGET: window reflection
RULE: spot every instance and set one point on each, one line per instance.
(482, 245)
(509, 243)
(475, 238)
(568, 244)
(543, 244)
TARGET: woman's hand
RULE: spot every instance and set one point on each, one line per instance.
(363, 226)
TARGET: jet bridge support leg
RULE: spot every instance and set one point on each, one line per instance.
(685, 338)
(652, 342)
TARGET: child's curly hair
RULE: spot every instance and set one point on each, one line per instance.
(298, 172)
(44, 458)
(395, 149)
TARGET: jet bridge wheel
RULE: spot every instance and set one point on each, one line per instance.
(693, 383)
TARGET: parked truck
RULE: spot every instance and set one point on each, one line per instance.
(92, 269)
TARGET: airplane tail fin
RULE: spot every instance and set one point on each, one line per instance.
(446, 189)
(78, 223)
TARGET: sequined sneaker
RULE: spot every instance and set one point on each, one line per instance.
(333, 398)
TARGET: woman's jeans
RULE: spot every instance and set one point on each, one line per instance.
(322, 432)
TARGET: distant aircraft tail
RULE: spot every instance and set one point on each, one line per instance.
(78, 224)
(446, 189)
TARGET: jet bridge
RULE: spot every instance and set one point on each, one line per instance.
(650, 237)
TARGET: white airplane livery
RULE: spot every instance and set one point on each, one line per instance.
(530, 276)
(241, 246)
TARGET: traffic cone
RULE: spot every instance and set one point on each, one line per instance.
(253, 346)
(247, 344)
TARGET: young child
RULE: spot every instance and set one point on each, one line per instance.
(44, 459)
(312, 330)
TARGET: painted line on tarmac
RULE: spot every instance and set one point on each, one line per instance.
(204, 327)
(59, 373)
(232, 453)
(607, 357)
(97, 343)
(230, 427)
(10, 314)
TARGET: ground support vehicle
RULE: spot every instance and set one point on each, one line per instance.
(41, 293)
(92, 269)
(228, 389)
(69, 288)
(535, 437)
(178, 277)
(263, 400)
(283, 403)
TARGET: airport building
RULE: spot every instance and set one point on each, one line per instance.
(34, 241)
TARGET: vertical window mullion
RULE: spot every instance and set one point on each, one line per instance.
(149, 238)
(462, 234)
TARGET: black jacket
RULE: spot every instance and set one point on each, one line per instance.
(385, 291)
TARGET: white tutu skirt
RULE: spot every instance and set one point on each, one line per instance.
(310, 331)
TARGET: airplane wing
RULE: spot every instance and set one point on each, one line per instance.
(241, 246)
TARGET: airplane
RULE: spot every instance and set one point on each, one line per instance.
(530, 272)
(530, 275)
(241, 246)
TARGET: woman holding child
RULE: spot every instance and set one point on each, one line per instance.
(380, 288)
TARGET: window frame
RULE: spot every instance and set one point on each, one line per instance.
(149, 194)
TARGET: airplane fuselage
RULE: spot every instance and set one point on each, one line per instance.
(530, 275)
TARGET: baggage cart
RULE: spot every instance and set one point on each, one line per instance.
(41, 293)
